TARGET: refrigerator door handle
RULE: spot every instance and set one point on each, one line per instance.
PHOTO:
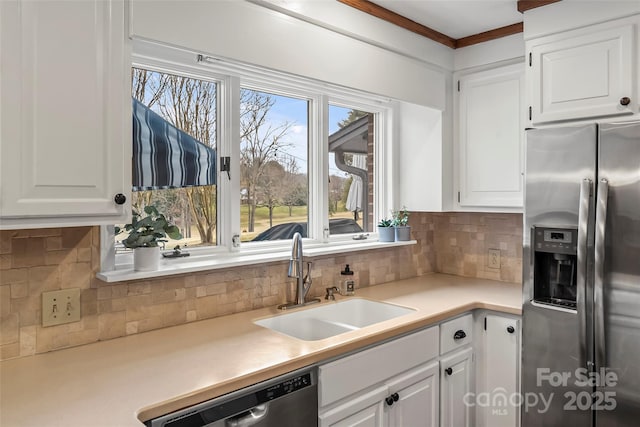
(598, 292)
(581, 276)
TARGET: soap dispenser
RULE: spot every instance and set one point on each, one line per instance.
(347, 284)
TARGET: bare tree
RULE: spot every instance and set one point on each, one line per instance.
(260, 142)
(295, 185)
(272, 187)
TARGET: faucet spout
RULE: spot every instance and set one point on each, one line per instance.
(296, 271)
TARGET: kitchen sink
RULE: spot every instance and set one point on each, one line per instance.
(333, 319)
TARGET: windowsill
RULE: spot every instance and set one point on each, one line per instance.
(205, 262)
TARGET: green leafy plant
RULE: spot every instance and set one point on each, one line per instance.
(148, 231)
(385, 223)
(400, 217)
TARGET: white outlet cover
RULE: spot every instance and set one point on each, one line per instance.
(493, 258)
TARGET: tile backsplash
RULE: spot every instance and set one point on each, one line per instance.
(36, 261)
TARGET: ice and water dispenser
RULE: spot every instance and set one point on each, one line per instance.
(555, 259)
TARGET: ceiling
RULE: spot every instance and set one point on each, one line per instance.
(457, 18)
(454, 23)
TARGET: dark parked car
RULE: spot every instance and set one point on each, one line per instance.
(287, 230)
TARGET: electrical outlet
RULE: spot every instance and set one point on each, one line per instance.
(60, 307)
(493, 258)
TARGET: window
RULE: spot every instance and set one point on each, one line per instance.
(351, 165)
(174, 152)
(295, 148)
(274, 145)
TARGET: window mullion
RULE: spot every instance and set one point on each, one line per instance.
(229, 146)
(385, 164)
(318, 167)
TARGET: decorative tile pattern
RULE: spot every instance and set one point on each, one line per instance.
(35, 261)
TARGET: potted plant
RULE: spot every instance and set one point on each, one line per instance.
(385, 231)
(401, 226)
(144, 235)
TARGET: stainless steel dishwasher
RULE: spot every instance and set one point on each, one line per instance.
(290, 400)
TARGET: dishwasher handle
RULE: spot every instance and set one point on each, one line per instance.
(248, 418)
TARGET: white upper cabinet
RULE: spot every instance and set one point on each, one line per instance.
(65, 120)
(490, 135)
(585, 73)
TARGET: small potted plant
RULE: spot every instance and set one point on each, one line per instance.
(400, 224)
(144, 235)
(385, 231)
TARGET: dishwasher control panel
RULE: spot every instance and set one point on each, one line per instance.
(285, 387)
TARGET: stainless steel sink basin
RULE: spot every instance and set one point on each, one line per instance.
(332, 319)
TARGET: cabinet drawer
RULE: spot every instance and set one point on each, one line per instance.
(354, 373)
(456, 333)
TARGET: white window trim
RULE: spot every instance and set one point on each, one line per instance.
(231, 77)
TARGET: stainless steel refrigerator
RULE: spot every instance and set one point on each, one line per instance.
(581, 277)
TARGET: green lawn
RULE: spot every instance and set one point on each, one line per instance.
(280, 216)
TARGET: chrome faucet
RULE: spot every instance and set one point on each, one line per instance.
(296, 270)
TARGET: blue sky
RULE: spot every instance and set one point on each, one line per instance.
(294, 110)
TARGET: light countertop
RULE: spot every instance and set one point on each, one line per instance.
(118, 382)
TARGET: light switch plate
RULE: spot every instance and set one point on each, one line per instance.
(60, 307)
(493, 258)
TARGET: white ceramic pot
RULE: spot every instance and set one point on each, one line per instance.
(403, 233)
(386, 234)
(146, 259)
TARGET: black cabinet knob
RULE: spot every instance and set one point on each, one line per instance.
(511, 329)
(120, 199)
(448, 371)
(389, 400)
(395, 397)
(625, 101)
(459, 335)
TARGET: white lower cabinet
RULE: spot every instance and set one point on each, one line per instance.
(456, 372)
(392, 384)
(440, 376)
(498, 371)
(455, 385)
(363, 410)
(417, 398)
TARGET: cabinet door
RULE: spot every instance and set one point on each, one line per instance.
(490, 137)
(455, 383)
(417, 393)
(500, 369)
(362, 410)
(65, 111)
(581, 74)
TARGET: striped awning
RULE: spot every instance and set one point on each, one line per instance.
(165, 156)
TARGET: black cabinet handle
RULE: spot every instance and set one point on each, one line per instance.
(448, 371)
(120, 199)
(511, 329)
(389, 400)
(459, 335)
(625, 101)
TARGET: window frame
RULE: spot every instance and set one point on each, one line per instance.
(230, 76)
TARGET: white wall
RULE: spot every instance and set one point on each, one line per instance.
(571, 14)
(349, 21)
(261, 36)
(491, 52)
(420, 158)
